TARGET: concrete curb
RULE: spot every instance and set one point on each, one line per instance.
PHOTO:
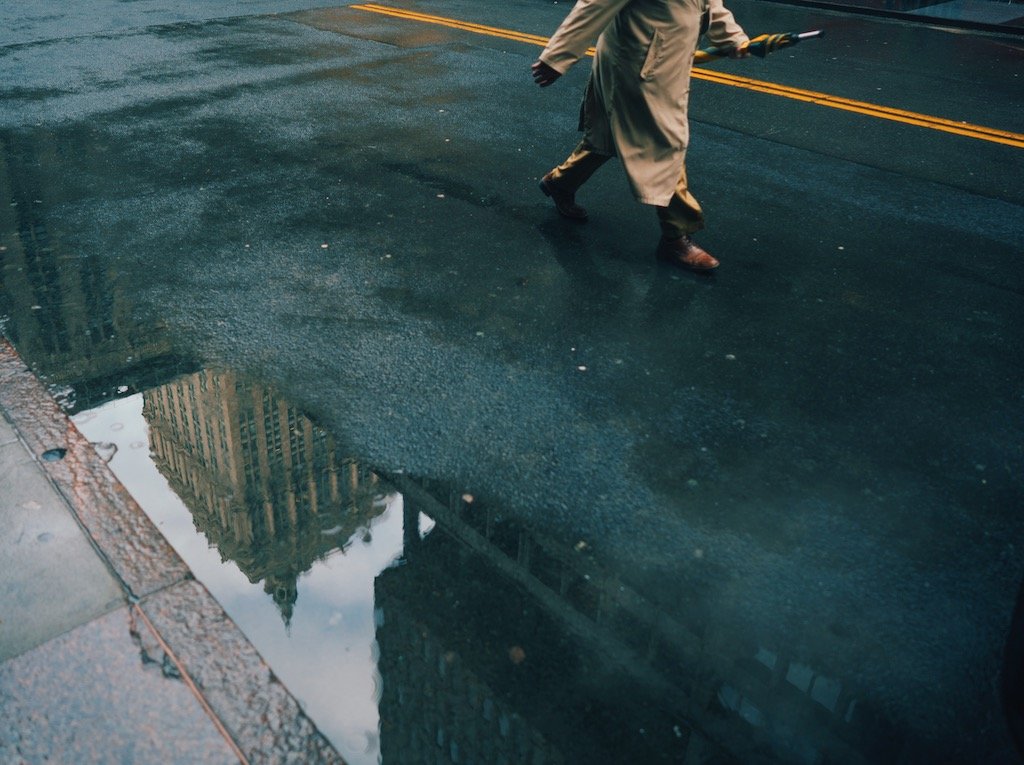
(261, 721)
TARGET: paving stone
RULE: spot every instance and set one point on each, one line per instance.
(51, 578)
(97, 695)
(261, 715)
(131, 543)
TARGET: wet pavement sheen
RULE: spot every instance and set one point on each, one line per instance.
(482, 485)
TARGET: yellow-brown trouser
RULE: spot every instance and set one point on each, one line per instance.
(682, 215)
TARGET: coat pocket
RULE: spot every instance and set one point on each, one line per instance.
(653, 58)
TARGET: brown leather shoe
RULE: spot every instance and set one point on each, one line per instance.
(684, 252)
(565, 202)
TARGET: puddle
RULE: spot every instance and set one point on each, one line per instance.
(292, 560)
(411, 620)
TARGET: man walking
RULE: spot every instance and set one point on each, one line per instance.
(635, 106)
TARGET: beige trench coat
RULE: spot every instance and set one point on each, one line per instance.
(636, 98)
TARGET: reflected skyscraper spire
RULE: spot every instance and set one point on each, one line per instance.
(263, 483)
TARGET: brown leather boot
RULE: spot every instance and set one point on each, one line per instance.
(565, 202)
(685, 253)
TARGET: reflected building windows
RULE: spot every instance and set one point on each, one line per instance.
(260, 478)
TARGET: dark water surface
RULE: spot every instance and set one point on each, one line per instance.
(423, 626)
(407, 625)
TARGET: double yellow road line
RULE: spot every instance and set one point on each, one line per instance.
(968, 130)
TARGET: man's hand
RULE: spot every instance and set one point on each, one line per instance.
(543, 74)
(740, 51)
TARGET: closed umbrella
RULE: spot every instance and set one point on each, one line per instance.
(759, 46)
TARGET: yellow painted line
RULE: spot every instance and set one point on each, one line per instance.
(877, 111)
(861, 107)
(453, 23)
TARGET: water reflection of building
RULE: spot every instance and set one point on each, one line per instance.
(479, 664)
(263, 483)
(449, 682)
(435, 708)
(606, 675)
(61, 307)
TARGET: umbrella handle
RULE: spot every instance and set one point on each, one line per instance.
(756, 47)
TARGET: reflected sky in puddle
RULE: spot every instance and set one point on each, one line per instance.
(310, 612)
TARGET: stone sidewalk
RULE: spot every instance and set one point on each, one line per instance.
(110, 651)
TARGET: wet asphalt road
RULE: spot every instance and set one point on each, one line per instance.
(817, 449)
